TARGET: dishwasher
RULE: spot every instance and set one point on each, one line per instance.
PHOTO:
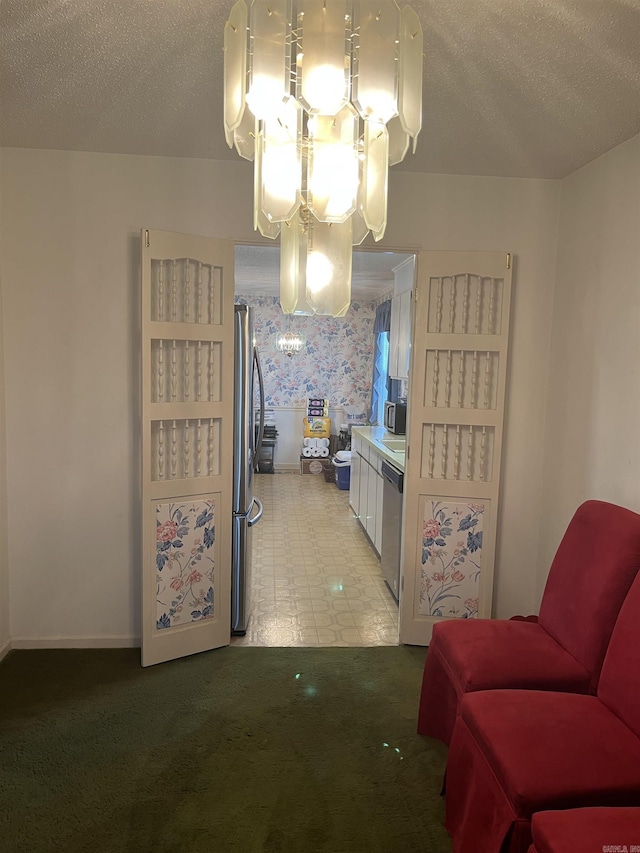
(391, 526)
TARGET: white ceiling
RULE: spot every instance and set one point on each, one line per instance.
(531, 88)
(528, 88)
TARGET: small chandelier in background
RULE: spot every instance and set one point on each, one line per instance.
(324, 95)
(289, 343)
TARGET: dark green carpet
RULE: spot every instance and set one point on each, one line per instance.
(239, 750)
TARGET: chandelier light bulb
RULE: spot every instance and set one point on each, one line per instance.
(324, 88)
(319, 272)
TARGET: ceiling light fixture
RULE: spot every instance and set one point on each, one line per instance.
(289, 343)
(324, 95)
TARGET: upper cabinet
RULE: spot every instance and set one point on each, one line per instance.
(400, 333)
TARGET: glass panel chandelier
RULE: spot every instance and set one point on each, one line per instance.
(323, 96)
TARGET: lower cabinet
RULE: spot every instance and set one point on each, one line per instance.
(377, 540)
(365, 495)
(354, 483)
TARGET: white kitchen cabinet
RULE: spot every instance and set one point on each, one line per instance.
(364, 491)
(367, 486)
(400, 336)
(354, 482)
(377, 539)
(372, 502)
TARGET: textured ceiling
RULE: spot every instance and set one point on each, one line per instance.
(531, 88)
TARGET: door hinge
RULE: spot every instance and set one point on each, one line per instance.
(508, 260)
(146, 238)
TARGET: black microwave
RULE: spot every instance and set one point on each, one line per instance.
(395, 417)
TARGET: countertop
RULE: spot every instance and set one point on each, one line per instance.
(374, 435)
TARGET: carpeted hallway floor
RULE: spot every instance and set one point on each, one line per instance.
(239, 750)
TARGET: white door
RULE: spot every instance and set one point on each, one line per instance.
(187, 425)
(454, 438)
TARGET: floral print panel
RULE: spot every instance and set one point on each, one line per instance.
(185, 536)
(336, 362)
(451, 559)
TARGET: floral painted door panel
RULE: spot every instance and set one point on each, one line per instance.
(451, 559)
(185, 565)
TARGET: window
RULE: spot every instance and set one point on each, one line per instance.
(380, 377)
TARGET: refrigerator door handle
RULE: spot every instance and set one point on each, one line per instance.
(260, 436)
(256, 518)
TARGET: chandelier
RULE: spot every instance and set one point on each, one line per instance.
(289, 343)
(323, 96)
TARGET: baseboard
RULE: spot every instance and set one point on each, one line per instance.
(285, 467)
(5, 649)
(103, 642)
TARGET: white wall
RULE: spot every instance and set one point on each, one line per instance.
(4, 563)
(71, 253)
(592, 444)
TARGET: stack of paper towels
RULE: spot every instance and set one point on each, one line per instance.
(315, 447)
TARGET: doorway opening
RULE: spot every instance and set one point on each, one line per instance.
(316, 578)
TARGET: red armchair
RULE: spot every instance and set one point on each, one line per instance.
(517, 752)
(586, 830)
(563, 649)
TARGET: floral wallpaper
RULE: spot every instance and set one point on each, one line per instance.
(451, 559)
(336, 362)
(185, 534)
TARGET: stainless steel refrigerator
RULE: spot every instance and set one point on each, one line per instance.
(247, 509)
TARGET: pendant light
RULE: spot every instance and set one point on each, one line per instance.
(323, 96)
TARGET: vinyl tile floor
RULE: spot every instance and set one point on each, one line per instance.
(316, 580)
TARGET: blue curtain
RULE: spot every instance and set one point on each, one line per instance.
(379, 389)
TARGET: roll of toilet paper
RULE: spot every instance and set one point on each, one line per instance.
(323, 442)
(324, 451)
(306, 451)
(315, 451)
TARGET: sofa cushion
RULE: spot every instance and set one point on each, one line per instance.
(489, 653)
(554, 750)
(595, 564)
(619, 686)
(586, 829)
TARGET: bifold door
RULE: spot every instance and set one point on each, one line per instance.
(187, 425)
(454, 438)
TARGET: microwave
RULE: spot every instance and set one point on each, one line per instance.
(395, 417)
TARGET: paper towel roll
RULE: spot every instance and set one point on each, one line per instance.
(324, 451)
(315, 451)
(323, 442)
(306, 451)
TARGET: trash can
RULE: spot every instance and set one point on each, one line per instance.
(342, 463)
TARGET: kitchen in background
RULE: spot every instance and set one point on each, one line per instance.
(317, 576)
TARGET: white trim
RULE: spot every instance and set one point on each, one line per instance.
(287, 466)
(5, 649)
(101, 642)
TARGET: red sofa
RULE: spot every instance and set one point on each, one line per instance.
(586, 830)
(563, 649)
(517, 752)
